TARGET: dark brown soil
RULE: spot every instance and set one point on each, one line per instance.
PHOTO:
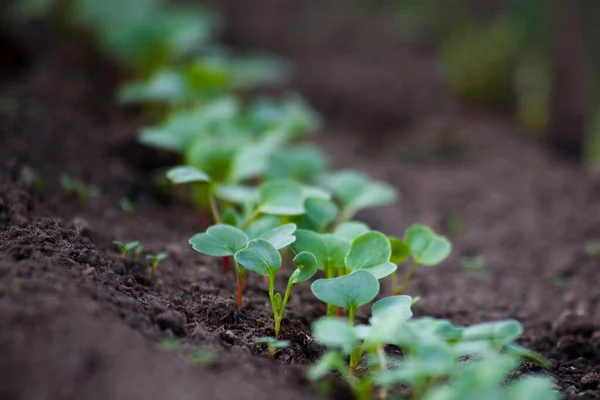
(77, 323)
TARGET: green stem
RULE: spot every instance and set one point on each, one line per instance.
(276, 311)
(279, 317)
(412, 270)
(213, 204)
(382, 367)
(394, 280)
(255, 215)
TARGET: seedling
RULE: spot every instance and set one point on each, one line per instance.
(261, 257)
(15, 287)
(592, 248)
(83, 192)
(273, 344)
(474, 266)
(225, 241)
(356, 191)
(426, 248)
(137, 253)
(155, 259)
(434, 353)
(126, 205)
(126, 247)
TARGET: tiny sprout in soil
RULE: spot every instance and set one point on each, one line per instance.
(126, 247)
(155, 259)
(84, 192)
(273, 344)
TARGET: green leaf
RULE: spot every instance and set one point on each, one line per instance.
(336, 251)
(186, 174)
(427, 247)
(400, 250)
(371, 252)
(281, 236)
(301, 163)
(281, 198)
(319, 213)
(357, 191)
(312, 242)
(260, 257)
(355, 289)
(499, 333)
(219, 240)
(521, 352)
(231, 217)
(330, 361)
(351, 230)
(262, 225)
(533, 388)
(236, 194)
(336, 333)
(306, 267)
(397, 306)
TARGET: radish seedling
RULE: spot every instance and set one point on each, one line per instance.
(356, 191)
(137, 253)
(261, 257)
(155, 259)
(225, 240)
(126, 247)
(84, 192)
(426, 247)
(273, 344)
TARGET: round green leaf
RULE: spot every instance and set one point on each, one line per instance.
(351, 230)
(260, 257)
(355, 289)
(336, 250)
(281, 198)
(306, 267)
(219, 240)
(498, 333)
(396, 306)
(313, 243)
(319, 212)
(371, 252)
(281, 236)
(336, 333)
(262, 225)
(400, 250)
(427, 247)
(187, 174)
(236, 194)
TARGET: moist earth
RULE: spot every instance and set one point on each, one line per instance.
(76, 322)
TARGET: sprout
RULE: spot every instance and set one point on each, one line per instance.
(126, 247)
(84, 192)
(155, 259)
(225, 241)
(426, 247)
(261, 257)
(273, 344)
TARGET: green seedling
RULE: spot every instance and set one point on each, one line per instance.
(356, 191)
(170, 344)
(426, 247)
(434, 354)
(155, 259)
(126, 205)
(126, 247)
(15, 287)
(84, 192)
(592, 248)
(474, 266)
(137, 253)
(350, 248)
(261, 257)
(225, 241)
(200, 357)
(273, 344)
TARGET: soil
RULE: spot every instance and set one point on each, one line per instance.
(78, 323)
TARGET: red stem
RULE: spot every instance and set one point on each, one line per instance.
(338, 312)
(226, 265)
(240, 290)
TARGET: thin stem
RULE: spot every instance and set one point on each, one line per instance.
(213, 204)
(276, 311)
(412, 270)
(351, 312)
(254, 215)
(240, 278)
(279, 317)
(394, 279)
(382, 367)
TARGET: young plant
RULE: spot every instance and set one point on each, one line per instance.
(262, 258)
(137, 253)
(273, 344)
(84, 192)
(225, 241)
(357, 191)
(425, 247)
(155, 259)
(349, 249)
(126, 247)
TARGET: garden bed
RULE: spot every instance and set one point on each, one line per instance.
(78, 323)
